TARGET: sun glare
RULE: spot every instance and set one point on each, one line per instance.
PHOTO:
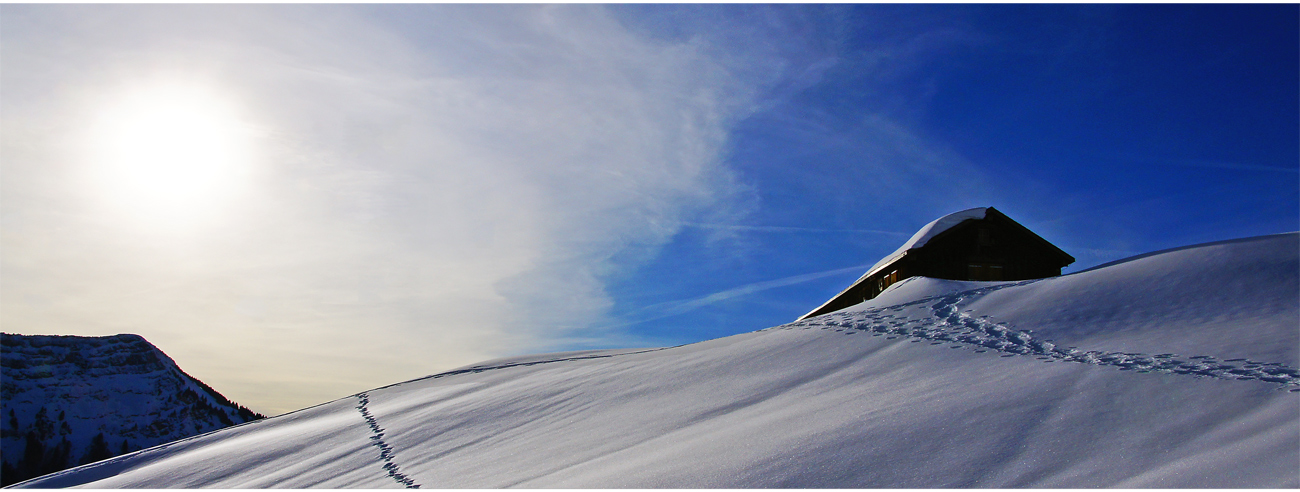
(170, 155)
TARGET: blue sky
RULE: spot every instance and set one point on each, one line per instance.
(299, 202)
(1109, 129)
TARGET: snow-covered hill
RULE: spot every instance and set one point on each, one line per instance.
(71, 400)
(1175, 369)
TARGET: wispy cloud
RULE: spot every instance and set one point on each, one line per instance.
(1235, 166)
(674, 308)
(436, 184)
(754, 228)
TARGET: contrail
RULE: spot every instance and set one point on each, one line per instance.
(1227, 165)
(737, 227)
(673, 308)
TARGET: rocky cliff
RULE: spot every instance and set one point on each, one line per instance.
(70, 400)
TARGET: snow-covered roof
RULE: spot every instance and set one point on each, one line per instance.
(926, 234)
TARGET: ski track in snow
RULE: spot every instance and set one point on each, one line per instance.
(377, 440)
(981, 334)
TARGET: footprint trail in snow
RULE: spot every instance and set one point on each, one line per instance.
(377, 440)
(981, 334)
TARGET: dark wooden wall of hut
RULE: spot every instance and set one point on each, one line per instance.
(987, 250)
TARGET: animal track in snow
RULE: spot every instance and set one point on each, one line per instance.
(377, 440)
(983, 334)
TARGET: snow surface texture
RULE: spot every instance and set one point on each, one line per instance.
(1169, 370)
(69, 400)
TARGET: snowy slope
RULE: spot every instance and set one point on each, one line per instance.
(1170, 370)
(69, 400)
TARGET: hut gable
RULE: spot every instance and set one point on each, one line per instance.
(975, 244)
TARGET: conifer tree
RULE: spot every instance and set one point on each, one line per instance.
(98, 450)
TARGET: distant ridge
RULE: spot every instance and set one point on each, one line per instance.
(72, 400)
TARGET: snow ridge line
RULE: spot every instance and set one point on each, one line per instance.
(980, 333)
(377, 440)
(478, 369)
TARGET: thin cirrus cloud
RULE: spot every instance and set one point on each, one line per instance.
(673, 308)
(779, 229)
(430, 185)
(1234, 166)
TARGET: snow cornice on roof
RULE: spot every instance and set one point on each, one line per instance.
(928, 232)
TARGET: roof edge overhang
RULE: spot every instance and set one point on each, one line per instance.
(819, 310)
(1065, 257)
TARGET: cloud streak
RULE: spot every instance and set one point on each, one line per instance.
(674, 308)
(1234, 166)
(753, 228)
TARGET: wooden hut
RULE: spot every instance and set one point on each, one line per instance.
(976, 244)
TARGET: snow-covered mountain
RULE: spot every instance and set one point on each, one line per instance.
(1174, 369)
(71, 400)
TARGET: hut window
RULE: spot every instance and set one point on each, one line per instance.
(983, 271)
(888, 280)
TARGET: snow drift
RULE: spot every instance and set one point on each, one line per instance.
(1174, 369)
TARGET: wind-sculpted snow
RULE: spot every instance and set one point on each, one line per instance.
(940, 320)
(1146, 373)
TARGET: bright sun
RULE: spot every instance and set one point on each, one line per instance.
(170, 155)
